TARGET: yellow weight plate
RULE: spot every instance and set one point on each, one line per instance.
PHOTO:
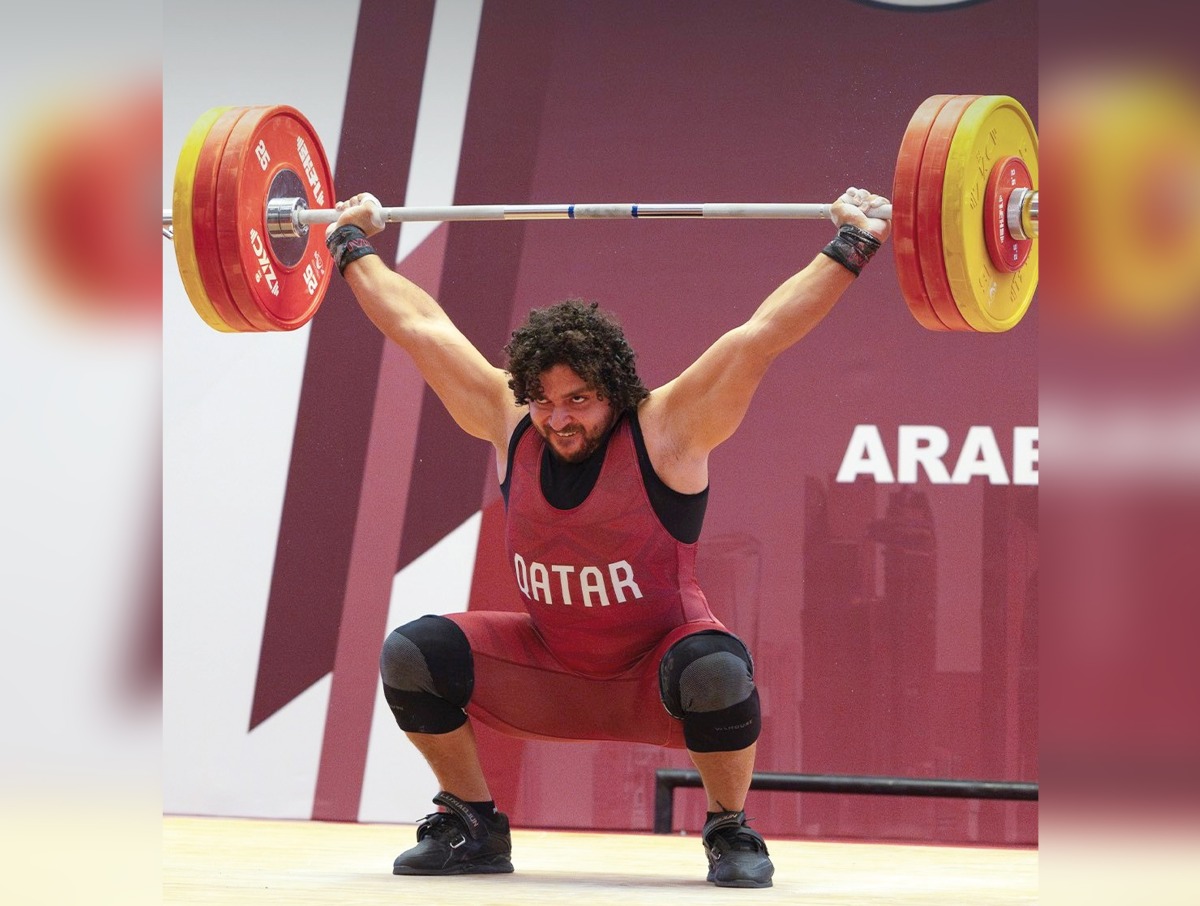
(992, 128)
(181, 220)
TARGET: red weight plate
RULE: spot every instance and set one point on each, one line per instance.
(277, 287)
(204, 221)
(904, 212)
(1006, 251)
(929, 212)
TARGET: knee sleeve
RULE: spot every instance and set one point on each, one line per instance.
(428, 675)
(707, 681)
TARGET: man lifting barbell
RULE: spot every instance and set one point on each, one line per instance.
(605, 485)
(619, 642)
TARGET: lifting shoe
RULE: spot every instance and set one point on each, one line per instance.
(737, 855)
(458, 841)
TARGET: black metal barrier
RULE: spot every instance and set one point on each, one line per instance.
(667, 779)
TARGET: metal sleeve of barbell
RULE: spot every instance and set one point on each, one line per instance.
(749, 211)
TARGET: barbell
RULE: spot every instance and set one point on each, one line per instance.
(250, 181)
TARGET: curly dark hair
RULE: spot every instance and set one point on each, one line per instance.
(579, 335)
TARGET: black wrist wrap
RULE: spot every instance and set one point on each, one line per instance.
(852, 248)
(348, 243)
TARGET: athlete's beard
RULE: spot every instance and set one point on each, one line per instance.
(580, 450)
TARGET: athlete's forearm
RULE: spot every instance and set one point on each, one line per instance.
(797, 306)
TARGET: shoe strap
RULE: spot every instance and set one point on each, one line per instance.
(737, 821)
(722, 821)
(463, 811)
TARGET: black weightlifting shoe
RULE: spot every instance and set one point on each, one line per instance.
(458, 841)
(737, 855)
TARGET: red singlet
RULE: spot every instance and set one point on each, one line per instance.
(607, 591)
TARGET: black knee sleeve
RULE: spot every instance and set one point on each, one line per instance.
(428, 675)
(707, 681)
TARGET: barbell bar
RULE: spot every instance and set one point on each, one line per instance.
(291, 217)
(250, 181)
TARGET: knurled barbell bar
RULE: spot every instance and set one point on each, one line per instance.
(250, 181)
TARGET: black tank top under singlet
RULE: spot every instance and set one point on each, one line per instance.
(565, 485)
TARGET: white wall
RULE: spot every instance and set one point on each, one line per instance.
(229, 411)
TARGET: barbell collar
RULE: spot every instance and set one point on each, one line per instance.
(284, 217)
(1022, 213)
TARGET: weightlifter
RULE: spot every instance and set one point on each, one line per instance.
(605, 484)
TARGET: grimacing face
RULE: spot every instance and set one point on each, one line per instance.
(570, 414)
